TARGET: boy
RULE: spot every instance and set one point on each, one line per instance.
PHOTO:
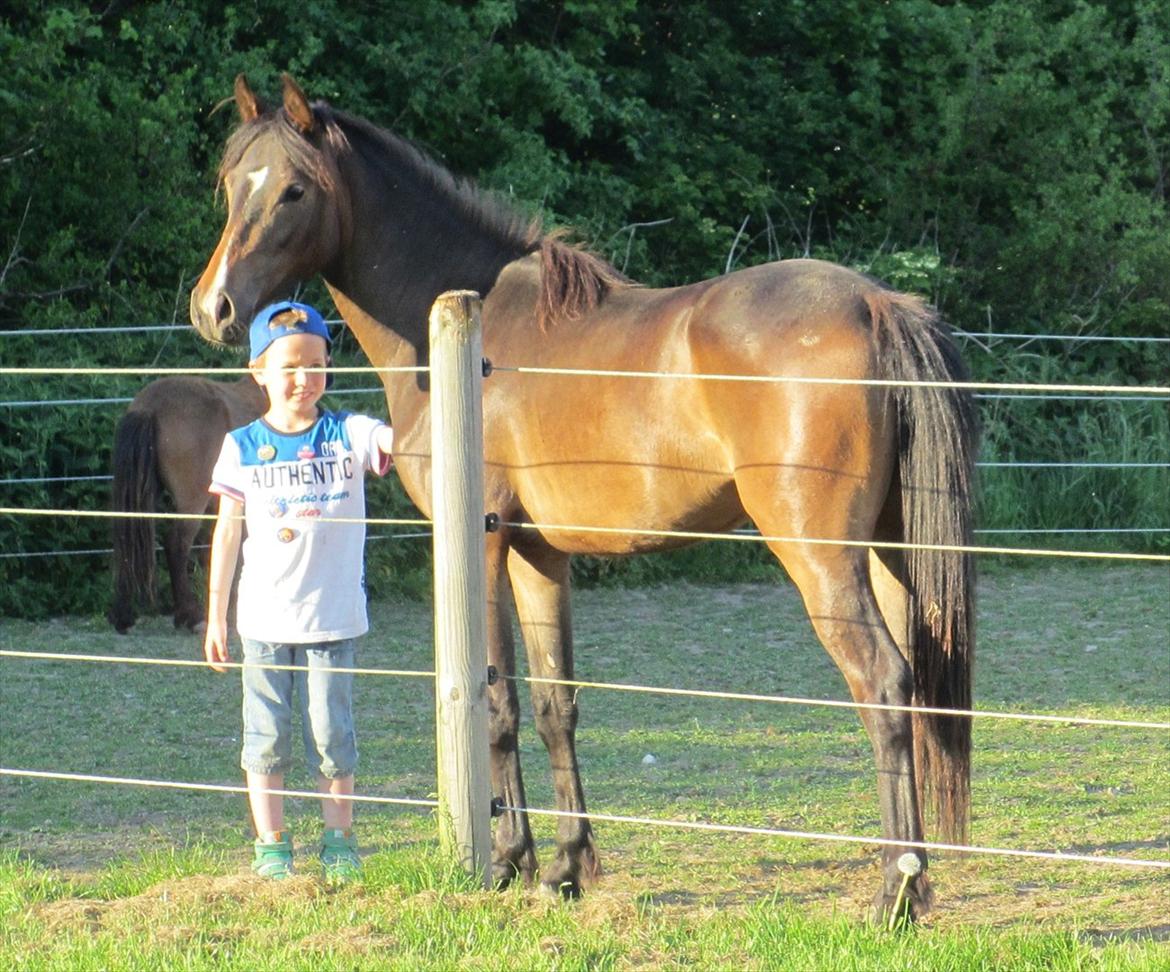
(301, 598)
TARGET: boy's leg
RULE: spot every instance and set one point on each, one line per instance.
(267, 751)
(327, 708)
(267, 743)
(339, 856)
(267, 808)
(330, 742)
(272, 852)
(338, 814)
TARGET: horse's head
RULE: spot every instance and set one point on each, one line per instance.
(286, 218)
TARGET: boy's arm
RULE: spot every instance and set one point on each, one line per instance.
(225, 551)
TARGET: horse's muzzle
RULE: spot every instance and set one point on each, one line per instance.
(219, 327)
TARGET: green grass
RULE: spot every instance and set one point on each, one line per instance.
(122, 877)
(230, 923)
(1111, 430)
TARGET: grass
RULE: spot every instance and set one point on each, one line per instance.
(122, 877)
(1111, 430)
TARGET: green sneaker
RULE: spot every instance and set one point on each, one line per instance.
(274, 859)
(339, 857)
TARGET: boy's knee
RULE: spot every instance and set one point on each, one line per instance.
(266, 752)
(337, 756)
(264, 765)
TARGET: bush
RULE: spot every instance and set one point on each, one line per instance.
(1006, 159)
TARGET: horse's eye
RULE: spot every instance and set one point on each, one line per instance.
(292, 193)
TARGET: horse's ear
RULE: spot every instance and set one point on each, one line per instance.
(249, 103)
(297, 105)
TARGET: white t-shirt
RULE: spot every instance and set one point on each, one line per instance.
(303, 579)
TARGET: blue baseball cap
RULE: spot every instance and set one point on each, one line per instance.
(282, 319)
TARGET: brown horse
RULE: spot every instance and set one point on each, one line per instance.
(312, 190)
(169, 439)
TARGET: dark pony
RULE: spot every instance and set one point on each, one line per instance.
(168, 441)
(861, 485)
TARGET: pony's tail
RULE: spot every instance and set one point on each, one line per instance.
(135, 490)
(938, 438)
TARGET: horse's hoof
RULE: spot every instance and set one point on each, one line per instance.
(121, 623)
(560, 890)
(900, 912)
(195, 623)
(503, 874)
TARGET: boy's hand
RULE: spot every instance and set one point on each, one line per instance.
(384, 438)
(225, 551)
(215, 646)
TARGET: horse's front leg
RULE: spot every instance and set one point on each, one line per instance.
(540, 584)
(513, 852)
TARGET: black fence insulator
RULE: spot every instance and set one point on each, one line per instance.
(487, 367)
(493, 675)
(491, 522)
(497, 806)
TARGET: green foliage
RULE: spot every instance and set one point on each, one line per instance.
(1008, 160)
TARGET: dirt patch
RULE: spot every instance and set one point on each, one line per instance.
(70, 914)
(361, 939)
(201, 891)
(160, 905)
(79, 856)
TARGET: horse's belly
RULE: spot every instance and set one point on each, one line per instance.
(614, 507)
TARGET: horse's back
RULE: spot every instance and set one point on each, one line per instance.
(671, 452)
(756, 309)
(786, 298)
(193, 414)
(788, 319)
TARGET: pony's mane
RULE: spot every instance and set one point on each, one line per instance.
(573, 280)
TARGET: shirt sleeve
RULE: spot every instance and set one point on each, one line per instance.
(363, 431)
(227, 476)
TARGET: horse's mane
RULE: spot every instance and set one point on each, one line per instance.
(573, 280)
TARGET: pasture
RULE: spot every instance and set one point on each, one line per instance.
(119, 876)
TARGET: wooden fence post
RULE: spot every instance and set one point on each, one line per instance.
(461, 711)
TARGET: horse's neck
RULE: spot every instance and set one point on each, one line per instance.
(405, 249)
(407, 246)
(384, 346)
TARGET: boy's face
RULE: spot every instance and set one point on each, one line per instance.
(283, 372)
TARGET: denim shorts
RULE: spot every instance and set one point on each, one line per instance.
(326, 703)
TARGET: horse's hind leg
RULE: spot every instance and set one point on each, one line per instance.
(832, 480)
(836, 587)
(888, 579)
(513, 853)
(177, 543)
(540, 583)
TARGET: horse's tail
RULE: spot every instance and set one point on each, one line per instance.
(135, 490)
(938, 438)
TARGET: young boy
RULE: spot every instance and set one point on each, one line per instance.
(292, 474)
